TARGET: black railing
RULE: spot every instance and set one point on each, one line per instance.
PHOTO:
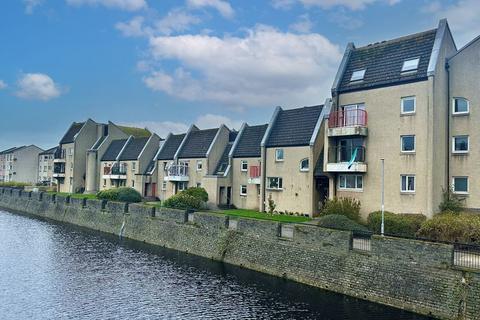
(466, 256)
(59, 153)
(345, 154)
(59, 168)
(361, 240)
(119, 170)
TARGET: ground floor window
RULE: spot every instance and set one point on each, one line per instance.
(407, 183)
(133, 183)
(164, 185)
(460, 185)
(182, 186)
(243, 190)
(275, 183)
(104, 182)
(350, 182)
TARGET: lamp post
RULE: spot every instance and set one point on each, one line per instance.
(382, 231)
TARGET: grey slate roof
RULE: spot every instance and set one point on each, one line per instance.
(383, 61)
(72, 131)
(294, 127)
(197, 143)
(223, 162)
(49, 151)
(98, 142)
(113, 150)
(249, 145)
(170, 147)
(133, 149)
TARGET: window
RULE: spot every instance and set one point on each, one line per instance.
(460, 144)
(274, 183)
(104, 182)
(408, 183)
(164, 185)
(304, 164)
(357, 75)
(182, 186)
(408, 143)
(410, 65)
(278, 154)
(460, 185)
(164, 166)
(408, 105)
(134, 165)
(461, 106)
(244, 165)
(133, 183)
(199, 184)
(243, 190)
(199, 165)
(350, 182)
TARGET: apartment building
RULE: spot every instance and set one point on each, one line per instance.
(45, 166)
(390, 102)
(126, 160)
(20, 164)
(165, 160)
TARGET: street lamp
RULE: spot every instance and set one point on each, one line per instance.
(382, 231)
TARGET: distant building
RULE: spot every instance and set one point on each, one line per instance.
(20, 164)
(45, 166)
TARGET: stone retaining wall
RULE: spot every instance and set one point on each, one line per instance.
(409, 274)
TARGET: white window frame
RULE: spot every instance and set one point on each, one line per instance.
(414, 143)
(412, 69)
(406, 176)
(345, 188)
(402, 100)
(184, 186)
(279, 183)
(199, 165)
(243, 194)
(308, 165)
(460, 112)
(358, 75)
(134, 166)
(164, 185)
(277, 159)
(453, 184)
(242, 164)
(460, 151)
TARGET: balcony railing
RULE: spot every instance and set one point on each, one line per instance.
(340, 154)
(119, 170)
(177, 170)
(348, 118)
(255, 171)
(59, 154)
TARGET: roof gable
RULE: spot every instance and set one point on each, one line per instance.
(69, 137)
(170, 147)
(198, 143)
(133, 149)
(113, 150)
(250, 141)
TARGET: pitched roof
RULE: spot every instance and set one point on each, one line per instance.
(250, 141)
(294, 127)
(223, 162)
(133, 149)
(113, 150)
(49, 151)
(9, 150)
(170, 147)
(69, 137)
(197, 143)
(383, 61)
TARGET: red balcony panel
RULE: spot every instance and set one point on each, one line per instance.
(255, 171)
(347, 118)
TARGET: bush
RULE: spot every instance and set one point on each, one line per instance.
(450, 202)
(347, 207)
(403, 225)
(197, 192)
(463, 228)
(123, 194)
(340, 222)
(183, 201)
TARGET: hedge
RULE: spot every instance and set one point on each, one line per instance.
(340, 222)
(347, 207)
(403, 225)
(462, 227)
(191, 198)
(123, 194)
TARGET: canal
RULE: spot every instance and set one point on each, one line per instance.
(56, 271)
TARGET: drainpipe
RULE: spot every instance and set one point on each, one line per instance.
(447, 67)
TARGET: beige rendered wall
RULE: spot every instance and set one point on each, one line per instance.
(195, 176)
(84, 141)
(464, 82)
(298, 187)
(217, 150)
(69, 166)
(239, 177)
(130, 181)
(169, 190)
(385, 126)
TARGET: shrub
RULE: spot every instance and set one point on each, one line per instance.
(404, 225)
(463, 228)
(13, 184)
(271, 204)
(340, 222)
(183, 201)
(197, 192)
(347, 207)
(123, 194)
(450, 202)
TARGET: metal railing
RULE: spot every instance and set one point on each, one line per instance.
(59, 154)
(255, 171)
(347, 118)
(361, 240)
(177, 170)
(119, 170)
(345, 154)
(466, 256)
(59, 169)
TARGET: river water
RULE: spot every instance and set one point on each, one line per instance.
(55, 271)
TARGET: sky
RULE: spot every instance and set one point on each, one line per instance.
(165, 64)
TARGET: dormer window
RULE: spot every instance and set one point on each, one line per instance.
(410, 65)
(357, 75)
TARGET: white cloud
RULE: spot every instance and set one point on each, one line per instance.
(214, 120)
(345, 20)
(132, 28)
(223, 7)
(3, 85)
(303, 25)
(31, 4)
(37, 86)
(327, 4)
(128, 5)
(266, 67)
(463, 17)
(283, 4)
(176, 20)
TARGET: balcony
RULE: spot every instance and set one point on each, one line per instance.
(176, 172)
(347, 123)
(346, 159)
(254, 175)
(58, 170)
(116, 172)
(59, 156)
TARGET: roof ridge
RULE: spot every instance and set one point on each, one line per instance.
(389, 41)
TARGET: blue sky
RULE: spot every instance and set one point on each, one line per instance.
(165, 64)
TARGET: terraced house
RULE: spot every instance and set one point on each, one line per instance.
(20, 164)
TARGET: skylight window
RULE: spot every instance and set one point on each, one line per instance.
(358, 75)
(410, 65)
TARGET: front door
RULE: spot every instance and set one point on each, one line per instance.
(322, 186)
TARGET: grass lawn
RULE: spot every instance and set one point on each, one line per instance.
(156, 204)
(263, 216)
(75, 195)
